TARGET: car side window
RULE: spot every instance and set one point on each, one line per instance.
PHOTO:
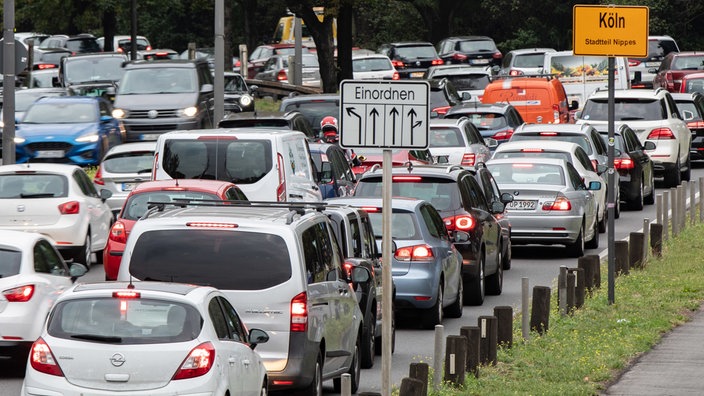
(340, 166)
(356, 236)
(468, 200)
(476, 192)
(85, 184)
(315, 270)
(471, 139)
(104, 109)
(583, 158)
(575, 178)
(218, 319)
(51, 259)
(235, 194)
(368, 240)
(235, 325)
(431, 223)
(490, 194)
(598, 142)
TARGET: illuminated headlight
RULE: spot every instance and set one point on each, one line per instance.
(119, 113)
(189, 111)
(19, 140)
(90, 137)
(245, 100)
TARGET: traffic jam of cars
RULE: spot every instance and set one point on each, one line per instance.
(243, 256)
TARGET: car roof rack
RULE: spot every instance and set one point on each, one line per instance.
(297, 208)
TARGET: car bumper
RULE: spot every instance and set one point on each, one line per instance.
(545, 230)
(146, 130)
(300, 365)
(81, 154)
(696, 151)
(416, 288)
(664, 156)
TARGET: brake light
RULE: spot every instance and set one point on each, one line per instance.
(98, 177)
(411, 179)
(397, 63)
(468, 159)
(19, 294)
(414, 253)
(371, 209)
(437, 62)
(441, 110)
(396, 76)
(515, 73)
(503, 135)
(560, 203)
(347, 267)
(532, 150)
(197, 363)
(282, 75)
(695, 125)
(149, 48)
(463, 222)
(46, 66)
(299, 313)
(72, 207)
(623, 163)
(556, 113)
(207, 224)
(118, 233)
(126, 294)
(661, 133)
(521, 165)
(459, 57)
(548, 133)
(497, 55)
(42, 359)
(281, 188)
(633, 62)
(669, 81)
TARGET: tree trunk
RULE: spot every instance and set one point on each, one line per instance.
(344, 42)
(321, 31)
(109, 29)
(227, 37)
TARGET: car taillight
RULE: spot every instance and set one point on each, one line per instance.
(406, 179)
(468, 159)
(396, 76)
(560, 203)
(497, 55)
(42, 359)
(347, 266)
(695, 125)
(460, 222)
(46, 66)
(72, 207)
(623, 163)
(282, 75)
(633, 62)
(459, 57)
(556, 113)
(669, 81)
(661, 133)
(19, 294)
(548, 133)
(441, 110)
(397, 63)
(118, 233)
(515, 73)
(98, 177)
(414, 253)
(197, 363)
(437, 62)
(503, 135)
(281, 188)
(155, 165)
(299, 313)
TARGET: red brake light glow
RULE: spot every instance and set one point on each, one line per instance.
(437, 62)
(459, 57)
(623, 163)
(126, 294)
(503, 135)
(71, 207)
(515, 73)
(205, 224)
(411, 179)
(282, 75)
(560, 203)
(299, 313)
(441, 110)
(414, 253)
(397, 64)
(661, 133)
(633, 62)
(396, 76)
(460, 222)
(281, 188)
(468, 159)
(19, 294)
(98, 177)
(371, 209)
(548, 133)
(46, 66)
(42, 359)
(118, 232)
(532, 150)
(197, 363)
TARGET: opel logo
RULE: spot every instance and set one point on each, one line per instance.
(117, 360)
(21, 208)
(152, 113)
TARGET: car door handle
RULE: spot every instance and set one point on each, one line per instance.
(343, 291)
(231, 361)
(245, 362)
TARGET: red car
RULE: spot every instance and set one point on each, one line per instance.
(136, 205)
(675, 66)
(692, 83)
(399, 157)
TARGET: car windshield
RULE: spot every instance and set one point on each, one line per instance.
(24, 99)
(420, 52)
(137, 205)
(446, 137)
(35, 185)
(157, 80)
(83, 45)
(527, 173)
(625, 109)
(10, 261)
(235, 83)
(129, 162)
(529, 60)
(403, 225)
(580, 139)
(484, 120)
(476, 46)
(61, 113)
(82, 70)
(225, 259)
(371, 64)
(688, 62)
(125, 321)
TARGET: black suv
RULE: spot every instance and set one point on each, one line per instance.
(411, 59)
(314, 107)
(81, 43)
(443, 96)
(459, 197)
(292, 120)
(474, 50)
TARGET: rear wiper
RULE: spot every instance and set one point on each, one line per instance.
(37, 195)
(631, 118)
(94, 337)
(145, 170)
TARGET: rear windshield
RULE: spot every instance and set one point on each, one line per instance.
(83, 45)
(132, 162)
(529, 60)
(467, 82)
(315, 110)
(93, 69)
(415, 52)
(483, 120)
(403, 226)
(657, 49)
(476, 46)
(446, 137)
(689, 62)
(35, 185)
(236, 161)
(125, 321)
(542, 154)
(226, 260)
(442, 193)
(371, 64)
(137, 205)
(525, 173)
(631, 109)
(580, 139)
(9, 262)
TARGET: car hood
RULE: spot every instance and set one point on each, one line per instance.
(49, 132)
(156, 101)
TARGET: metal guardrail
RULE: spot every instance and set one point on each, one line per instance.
(279, 90)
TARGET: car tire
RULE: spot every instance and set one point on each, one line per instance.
(433, 315)
(354, 371)
(264, 391)
(576, 248)
(594, 242)
(455, 309)
(474, 294)
(637, 202)
(83, 254)
(650, 198)
(674, 177)
(368, 344)
(495, 282)
(315, 388)
(506, 264)
(602, 222)
(687, 174)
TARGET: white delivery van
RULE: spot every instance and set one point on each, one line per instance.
(583, 75)
(266, 164)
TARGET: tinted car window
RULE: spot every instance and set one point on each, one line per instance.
(83, 45)
(33, 186)
(132, 162)
(219, 259)
(314, 111)
(529, 60)
(403, 224)
(137, 205)
(446, 137)
(9, 262)
(423, 51)
(624, 109)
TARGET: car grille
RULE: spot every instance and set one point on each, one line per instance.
(167, 113)
(151, 128)
(40, 146)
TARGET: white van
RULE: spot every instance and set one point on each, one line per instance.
(267, 165)
(583, 75)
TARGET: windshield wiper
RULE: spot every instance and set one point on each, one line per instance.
(37, 195)
(145, 170)
(95, 337)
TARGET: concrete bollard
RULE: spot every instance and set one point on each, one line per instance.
(504, 317)
(658, 208)
(346, 385)
(701, 199)
(472, 334)
(571, 285)
(411, 387)
(665, 215)
(692, 201)
(675, 199)
(487, 339)
(525, 308)
(646, 242)
(579, 291)
(540, 314)
(562, 290)
(419, 371)
(455, 358)
(438, 356)
(621, 259)
(656, 232)
(635, 250)
(683, 205)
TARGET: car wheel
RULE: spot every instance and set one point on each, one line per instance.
(495, 282)
(673, 177)
(687, 174)
(474, 294)
(369, 342)
(455, 309)
(576, 248)
(602, 222)
(506, 264)
(433, 315)
(637, 202)
(83, 254)
(650, 198)
(354, 372)
(315, 388)
(594, 242)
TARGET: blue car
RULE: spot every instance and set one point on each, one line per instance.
(335, 175)
(67, 129)
(426, 267)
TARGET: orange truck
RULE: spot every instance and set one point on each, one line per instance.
(540, 100)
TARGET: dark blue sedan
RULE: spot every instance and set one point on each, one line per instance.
(70, 129)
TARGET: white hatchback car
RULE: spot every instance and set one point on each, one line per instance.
(459, 141)
(145, 338)
(32, 275)
(373, 67)
(57, 200)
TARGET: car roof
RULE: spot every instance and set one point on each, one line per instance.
(257, 215)
(133, 146)
(447, 122)
(470, 38)
(82, 55)
(65, 169)
(263, 115)
(206, 185)
(248, 133)
(452, 70)
(69, 98)
(573, 128)
(20, 239)
(106, 288)
(500, 107)
(411, 44)
(530, 160)
(683, 97)
(369, 56)
(156, 63)
(560, 145)
(449, 171)
(521, 51)
(396, 203)
(629, 93)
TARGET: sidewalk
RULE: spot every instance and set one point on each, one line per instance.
(675, 366)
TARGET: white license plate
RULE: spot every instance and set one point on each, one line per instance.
(50, 154)
(417, 75)
(522, 205)
(149, 137)
(480, 61)
(652, 64)
(128, 186)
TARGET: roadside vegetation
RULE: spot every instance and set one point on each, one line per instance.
(582, 353)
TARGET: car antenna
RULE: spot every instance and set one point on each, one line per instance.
(176, 182)
(130, 286)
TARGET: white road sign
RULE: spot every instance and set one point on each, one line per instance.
(384, 114)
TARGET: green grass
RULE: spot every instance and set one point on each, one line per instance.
(580, 354)
(266, 104)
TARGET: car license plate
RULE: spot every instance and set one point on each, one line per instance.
(480, 61)
(50, 154)
(652, 64)
(149, 137)
(128, 186)
(522, 205)
(417, 74)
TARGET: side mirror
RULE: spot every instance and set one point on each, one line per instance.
(497, 207)
(506, 198)
(578, 115)
(360, 275)
(105, 194)
(460, 236)
(76, 270)
(206, 88)
(574, 105)
(601, 168)
(257, 337)
(594, 185)
(649, 145)
(491, 143)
